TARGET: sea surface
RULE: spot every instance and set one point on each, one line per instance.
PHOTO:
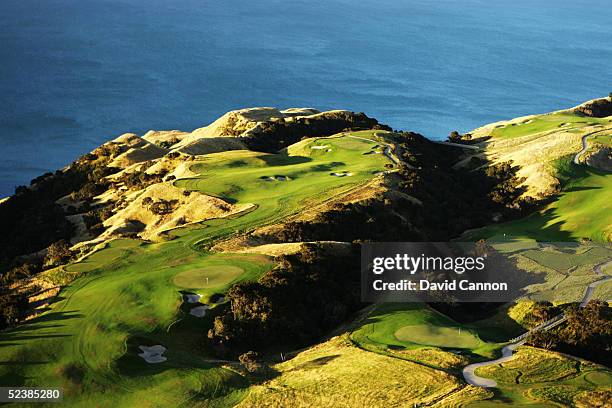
(75, 73)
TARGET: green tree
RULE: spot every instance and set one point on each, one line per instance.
(249, 361)
(58, 253)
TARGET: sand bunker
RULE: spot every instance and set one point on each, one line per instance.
(276, 178)
(192, 297)
(199, 311)
(153, 354)
(342, 174)
(319, 147)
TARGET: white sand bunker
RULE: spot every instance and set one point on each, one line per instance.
(323, 147)
(192, 297)
(153, 354)
(199, 311)
(342, 174)
(277, 178)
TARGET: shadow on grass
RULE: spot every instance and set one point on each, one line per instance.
(500, 398)
(327, 166)
(316, 363)
(580, 188)
(283, 159)
(539, 226)
(28, 331)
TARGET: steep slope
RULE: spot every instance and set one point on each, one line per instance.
(241, 236)
(562, 155)
(129, 293)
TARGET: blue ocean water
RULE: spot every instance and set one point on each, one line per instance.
(75, 73)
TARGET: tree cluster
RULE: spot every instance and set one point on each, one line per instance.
(140, 179)
(273, 136)
(586, 333)
(161, 206)
(31, 221)
(438, 202)
(295, 303)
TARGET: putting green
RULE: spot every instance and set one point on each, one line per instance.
(563, 261)
(207, 277)
(437, 336)
(599, 378)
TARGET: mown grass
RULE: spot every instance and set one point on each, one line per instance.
(543, 123)
(543, 146)
(572, 257)
(393, 326)
(560, 272)
(583, 209)
(602, 140)
(127, 294)
(80, 344)
(302, 177)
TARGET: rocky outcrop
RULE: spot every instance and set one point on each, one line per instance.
(269, 129)
(134, 149)
(597, 108)
(271, 136)
(601, 159)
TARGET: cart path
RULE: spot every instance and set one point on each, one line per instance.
(507, 352)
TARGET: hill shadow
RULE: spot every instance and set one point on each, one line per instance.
(580, 188)
(327, 166)
(283, 159)
(28, 331)
(316, 363)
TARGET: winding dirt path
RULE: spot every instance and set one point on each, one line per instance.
(584, 148)
(507, 352)
(585, 145)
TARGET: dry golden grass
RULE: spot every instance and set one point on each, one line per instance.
(535, 148)
(534, 155)
(464, 397)
(233, 123)
(195, 207)
(138, 150)
(531, 365)
(273, 249)
(157, 136)
(338, 374)
(432, 356)
(211, 145)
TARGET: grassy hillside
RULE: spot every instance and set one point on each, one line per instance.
(337, 374)
(537, 378)
(129, 294)
(280, 185)
(581, 210)
(393, 327)
(545, 146)
(545, 123)
(87, 343)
